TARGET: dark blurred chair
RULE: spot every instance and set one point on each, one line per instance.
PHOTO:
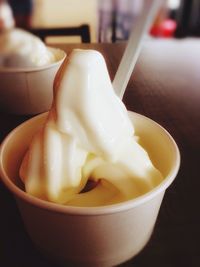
(83, 31)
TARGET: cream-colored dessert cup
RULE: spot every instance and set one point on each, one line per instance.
(91, 236)
(29, 90)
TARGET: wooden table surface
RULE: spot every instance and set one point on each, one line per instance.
(165, 86)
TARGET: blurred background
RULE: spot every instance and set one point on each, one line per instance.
(104, 20)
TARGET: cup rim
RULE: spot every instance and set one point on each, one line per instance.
(61, 58)
(101, 210)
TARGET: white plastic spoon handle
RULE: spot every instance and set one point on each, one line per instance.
(128, 61)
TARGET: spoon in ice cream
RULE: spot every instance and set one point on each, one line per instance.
(132, 51)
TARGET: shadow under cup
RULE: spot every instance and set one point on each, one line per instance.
(91, 236)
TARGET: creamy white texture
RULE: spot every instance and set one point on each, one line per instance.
(87, 136)
(21, 49)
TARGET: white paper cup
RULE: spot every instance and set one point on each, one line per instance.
(91, 236)
(29, 90)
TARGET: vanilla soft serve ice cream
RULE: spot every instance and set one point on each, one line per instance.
(19, 48)
(22, 49)
(87, 136)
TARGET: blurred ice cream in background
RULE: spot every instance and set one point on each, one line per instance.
(19, 48)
